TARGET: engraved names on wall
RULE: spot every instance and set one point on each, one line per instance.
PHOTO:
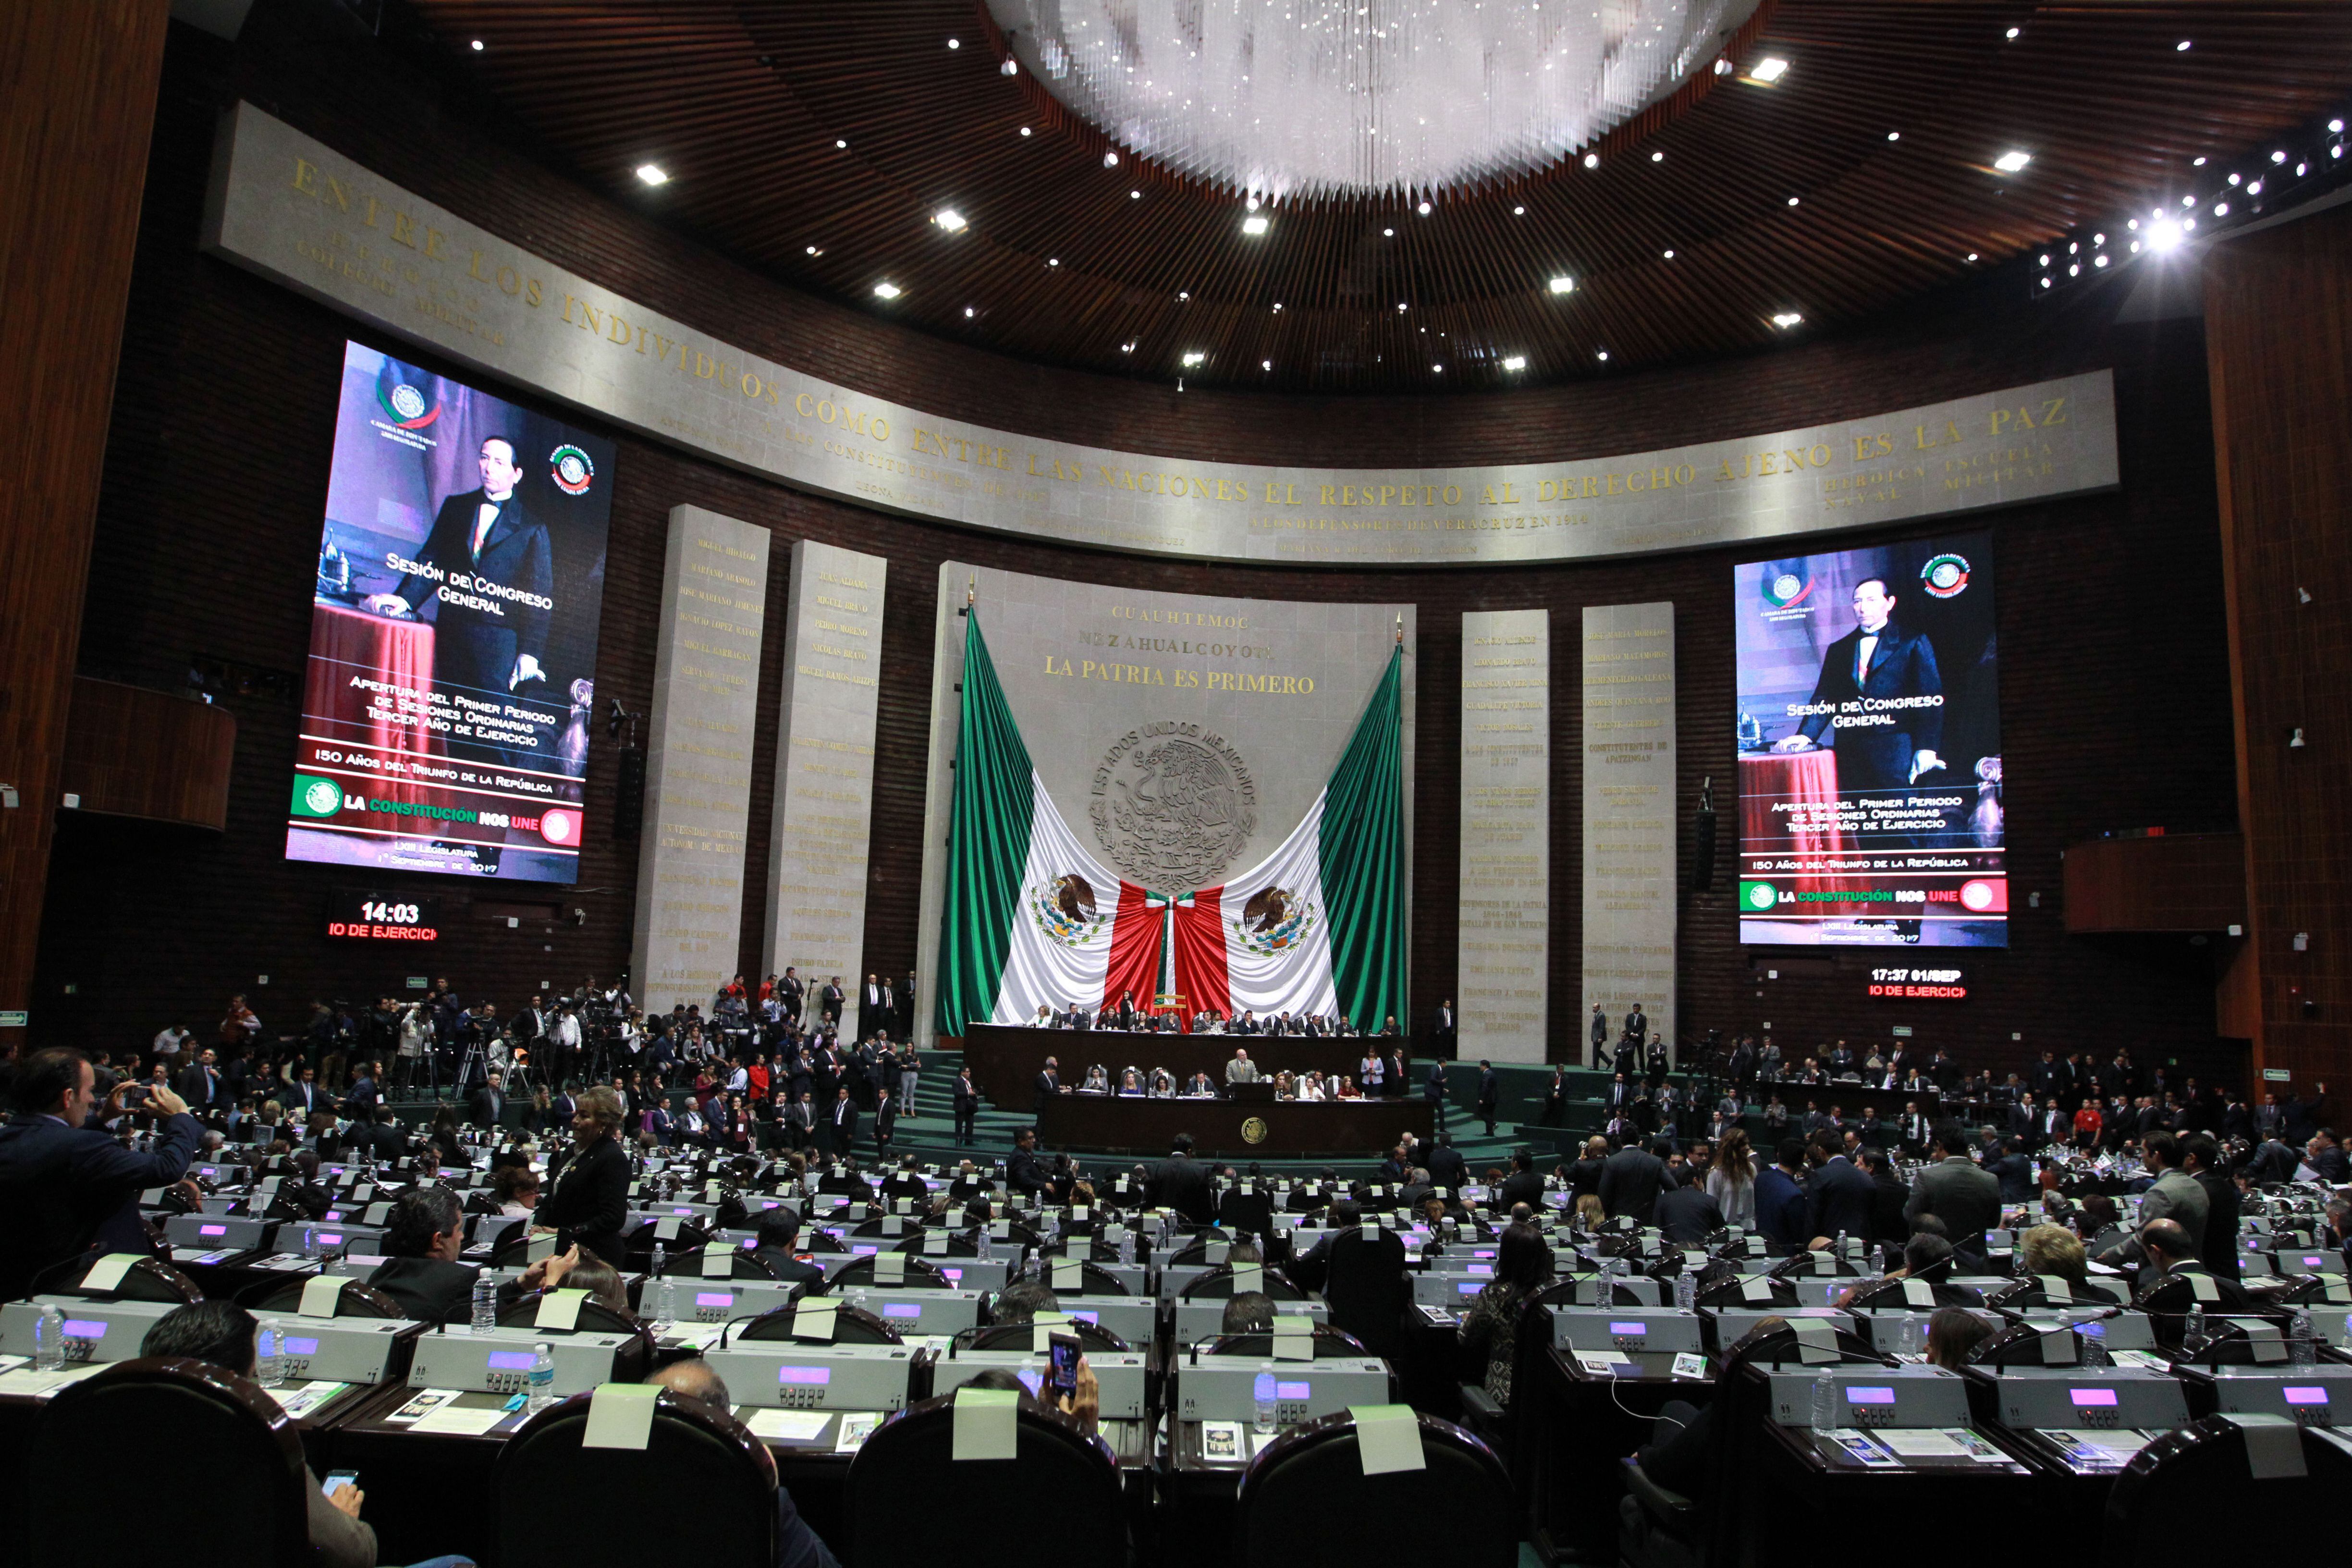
(825, 771)
(1504, 948)
(698, 768)
(1629, 815)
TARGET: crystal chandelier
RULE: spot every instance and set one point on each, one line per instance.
(1301, 99)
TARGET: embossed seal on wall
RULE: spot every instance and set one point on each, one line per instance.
(1173, 804)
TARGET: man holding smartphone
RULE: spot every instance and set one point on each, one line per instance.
(67, 1186)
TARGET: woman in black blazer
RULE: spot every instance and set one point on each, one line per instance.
(588, 1198)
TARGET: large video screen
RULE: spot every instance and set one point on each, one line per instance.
(450, 689)
(1869, 724)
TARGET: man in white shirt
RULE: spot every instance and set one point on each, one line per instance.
(167, 1044)
(563, 1035)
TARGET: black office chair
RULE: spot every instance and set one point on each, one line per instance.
(851, 1326)
(2021, 1345)
(920, 1276)
(1020, 1336)
(149, 1279)
(1889, 1294)
(1367, 1291)
(1330, 1344)
(695, 1451)
(1305, 1499)
(1194, 1254)
(1217, 1284)
(232, 1448)
(357, 1298)
(1063, 1487)
(2192, 1496)
(1251, 1211)
(1097, 1280)
(1808, 1265)
(743, 1264)
(638, 1244)
(2028, 1293)
(908, 1224)
(1731, 1291)
(2233, 1344)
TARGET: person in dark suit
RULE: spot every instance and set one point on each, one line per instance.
(1554, 1102)
(1445, 1029)
(420, 1271)
(2165, 1249)
(1393, 1081)
(1878, 661)
(780, 1234)
(1838, 1199)
(487, 1103)
(1599, 1036)
(1522, 1185)
(588, 1196)
(1049, 1082)
(1181, 1183)
(200, 1084)
(840, 1120)
(1490, 1094)
(830, 1000)
(1631, 1179)
(967, 1106)
(66, 1185)
(1637, 1025)
(1686, 1214)
(2205, 1166)
(485, 644)
(1432, 1088)
(1446, 1166)
(361, 1101)
(384, 1138)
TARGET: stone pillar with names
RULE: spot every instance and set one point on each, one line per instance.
(824, 771)
(1630, 883)
(699, 762)
(1502, 951)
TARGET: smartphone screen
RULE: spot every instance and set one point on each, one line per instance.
(1062, 1375)
(336, 1480)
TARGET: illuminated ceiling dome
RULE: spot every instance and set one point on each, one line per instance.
(1302, 98)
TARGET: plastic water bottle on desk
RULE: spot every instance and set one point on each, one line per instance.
(268, 1360)
(49, 1339)
(1825, 1403)
(1906, 1344)
(311, 1243)
(2300, 1350)
(486, 1303)
(1685, 1291)
(542, 1376)
(665, 1303)
(1262, 1407)
(2192, 1327)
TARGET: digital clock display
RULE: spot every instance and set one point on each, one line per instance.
(372, 916)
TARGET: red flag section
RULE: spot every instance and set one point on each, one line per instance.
(1134, 970)
(1200, 973)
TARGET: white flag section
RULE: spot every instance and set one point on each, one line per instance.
(1277, 933)
(1060, 948)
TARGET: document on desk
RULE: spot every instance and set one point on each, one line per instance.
(856, 1426)
(771, 1426)
(2099, 1450)
(28, 1384)
(1605, 1363)
(2141, 1358)
(1937, 1443)
(307, 1398)
(460, 1420)
(1220, 1442)
(421, 1404)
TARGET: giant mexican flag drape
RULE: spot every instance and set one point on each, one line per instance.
(1031, 918)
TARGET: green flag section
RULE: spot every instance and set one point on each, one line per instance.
(988, 843)
(1362, 851)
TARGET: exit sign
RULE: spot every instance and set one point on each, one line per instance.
(2270, 1075)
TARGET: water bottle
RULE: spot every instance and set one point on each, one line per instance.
(665, 1303)
(49, 1339)
(486, 1303)
(1262, 1409)
(311, 1243)
(1825, 1403)
(1685, 1291)
(1907, 1344)
(661, 1261)
(2192, 1327)
(1844, 1245)
(542, 1376)
(268, 1365)
(2300, 1350)
(2094, 1351)
(1127, 1248)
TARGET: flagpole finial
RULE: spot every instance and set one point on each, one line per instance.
(971, 591)
(1400, 629)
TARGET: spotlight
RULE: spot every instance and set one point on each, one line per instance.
(1517, 362)
(1423, 209)
(2164, 235)
(1603, 354)
(1592, 160)
(1657, 157)
(1193, 357)
(478, 46)
(955, 43)
(950, 219)
(1563, 284)
(1769, 69)
(1025, 131)
(2010, 162)
(1010, 67)
(1110, 159)
(1518, 212)
(652, 173)
(1256, 224)
(1786, 320)
(887, 291)
(967, 313)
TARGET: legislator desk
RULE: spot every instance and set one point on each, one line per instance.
(1127, 1124)
(1006, 1058)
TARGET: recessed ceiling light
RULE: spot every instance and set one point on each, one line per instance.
(1787, 319)
(1256, 223)
(1181, 298)
(2013, 32)
(838, 142)
(2010, 162)
(1563, 284)
(1518, 212)
(1399, 307)
(1437, 370)
(948, 219)
(1265, 364)
(967, 313)
(653, 175)
(1135, 195)
(2196, 163)
(1423, 209)
(1657, 157)
(1592, 160)
(1110, 159)
(1053, 261)
(1126, 347)
(1024, 130)
(1517, 362)
(1894, 136)
(1277, 306)
(887, 291)
(1670, 255)
(1793, 201)
(1972, 256)
(478, 46)
(1388, 234)
(955, 43)
(1603, 355)
(1193, 357)
(2180, 46)
(1769, 69)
